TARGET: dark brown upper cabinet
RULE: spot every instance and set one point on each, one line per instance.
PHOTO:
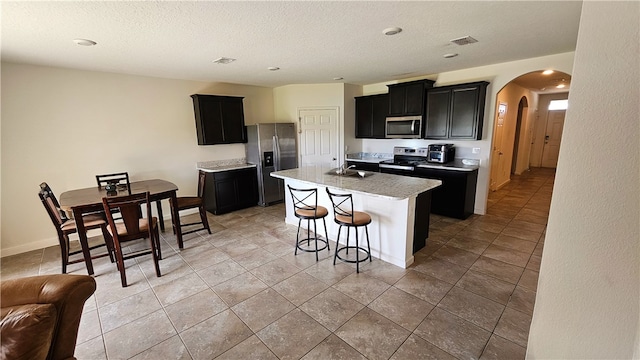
(455, 112)
(219, 119)
(371, 113)
(407, 99)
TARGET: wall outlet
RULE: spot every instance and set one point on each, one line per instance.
(475, 151)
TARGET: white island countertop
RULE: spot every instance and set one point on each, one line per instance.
(377, 184)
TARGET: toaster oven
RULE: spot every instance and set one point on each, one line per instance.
(441, 153)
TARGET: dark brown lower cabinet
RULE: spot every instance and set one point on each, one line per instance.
(456, 197)
(231, 190)
(361, 165)
(421, 221)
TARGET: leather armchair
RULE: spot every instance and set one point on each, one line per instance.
(40, 315)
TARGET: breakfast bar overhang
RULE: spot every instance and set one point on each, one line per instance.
(399, 207)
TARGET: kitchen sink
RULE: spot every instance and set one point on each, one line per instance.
(349, 172)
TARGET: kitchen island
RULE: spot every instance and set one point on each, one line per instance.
(399, 207)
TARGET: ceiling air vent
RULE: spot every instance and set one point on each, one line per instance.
(465, 40)
(223, 60)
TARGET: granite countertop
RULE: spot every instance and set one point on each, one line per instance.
(223, 165)
(456, 165)
(377, 184)
(369, 157)
(376, 158)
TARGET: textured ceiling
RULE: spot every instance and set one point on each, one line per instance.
(310, 41)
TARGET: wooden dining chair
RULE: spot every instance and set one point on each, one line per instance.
(121, 180)
(65, 226)
(192, 202)
(132, 227)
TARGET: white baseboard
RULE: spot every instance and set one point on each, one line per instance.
(34, 245)
(53, 241)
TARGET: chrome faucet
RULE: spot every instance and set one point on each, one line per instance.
(343, 169)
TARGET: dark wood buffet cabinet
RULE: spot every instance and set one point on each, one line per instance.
(230, 190)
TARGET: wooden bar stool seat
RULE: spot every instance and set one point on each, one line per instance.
(305, 205)
(344, 215)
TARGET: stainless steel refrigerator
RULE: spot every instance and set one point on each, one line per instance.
(271, 147)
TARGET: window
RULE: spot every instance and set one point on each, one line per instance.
(558, 104)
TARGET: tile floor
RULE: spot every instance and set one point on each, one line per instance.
(240, 293)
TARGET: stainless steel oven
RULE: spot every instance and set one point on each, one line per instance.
(405, 127)
(405, 159)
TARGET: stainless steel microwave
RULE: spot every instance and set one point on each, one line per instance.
(405, 127)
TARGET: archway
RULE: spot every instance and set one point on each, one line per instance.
(517, 124)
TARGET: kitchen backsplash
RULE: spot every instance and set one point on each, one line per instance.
(362, 155)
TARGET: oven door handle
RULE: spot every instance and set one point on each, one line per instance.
(396, 167)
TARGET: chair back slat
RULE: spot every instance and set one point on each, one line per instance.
(121, 180)
(201, 183)
(304, 199)
(130, 214)
(129, 207)
(342, 204)
(51, 205)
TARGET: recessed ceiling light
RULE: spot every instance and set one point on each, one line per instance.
(223, 60)
(84, 42)
(391, 31)
(273, 68)
(338, 78)
(547, 72)
(560, 86)
(449, 56)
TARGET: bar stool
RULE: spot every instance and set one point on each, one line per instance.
(305, 205)
(344, 215)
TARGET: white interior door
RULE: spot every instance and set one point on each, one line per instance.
(319, 137)
(497, 156)
(553, 134)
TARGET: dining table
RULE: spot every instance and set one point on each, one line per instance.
(89, 200)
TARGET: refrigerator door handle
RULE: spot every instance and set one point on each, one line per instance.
(276, 152)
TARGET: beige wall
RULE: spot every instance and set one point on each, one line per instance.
(588, 299)
(511, 95)
(290, 98)
(64, 126)
(498, 75)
